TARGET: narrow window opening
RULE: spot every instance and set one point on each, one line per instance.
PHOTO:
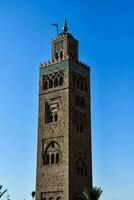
(55, 117)
(78, 83)
(81, 170)
(51, 118)
(44, 160)
(78, 169)
(74, 81)
(85, 86)
(50, 84)
(47, 159)
(55, 82)
(53, 144)
(61, 54)
(56, 56)
(77, 100)
(83, 103)
(81, 128)
(77, 127)
(52, 158)
(82, 88)
(57, 158)
(45, 85)
(61, 81)
(70, 54)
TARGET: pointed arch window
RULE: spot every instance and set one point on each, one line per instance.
(80, 167)
(51, 153)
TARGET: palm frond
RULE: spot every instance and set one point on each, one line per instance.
(1, 194)
(93, 193)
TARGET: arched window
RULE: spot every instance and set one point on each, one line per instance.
(61, 54)
(61, 81)
(56, 55)
(51, 83)
(52, 158)
(57, 157)
(55, 82)
(45, 85)
(80, 167)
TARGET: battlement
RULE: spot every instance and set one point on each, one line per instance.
(48, 63)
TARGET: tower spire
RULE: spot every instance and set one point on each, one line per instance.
(65, 27)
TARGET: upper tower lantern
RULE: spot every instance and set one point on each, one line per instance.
(64, 45)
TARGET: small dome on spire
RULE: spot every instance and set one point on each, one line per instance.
(65, 27)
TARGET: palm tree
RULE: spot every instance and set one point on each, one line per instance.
(1, 193)
(93, 193)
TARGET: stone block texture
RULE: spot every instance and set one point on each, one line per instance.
(64, 158)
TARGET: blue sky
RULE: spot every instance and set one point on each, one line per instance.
(106, 34)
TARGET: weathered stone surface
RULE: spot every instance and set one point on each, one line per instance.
(64, 162)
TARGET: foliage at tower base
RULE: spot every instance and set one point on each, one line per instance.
(1, 193)
(93, 193)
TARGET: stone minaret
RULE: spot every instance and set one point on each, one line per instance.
(64, 161)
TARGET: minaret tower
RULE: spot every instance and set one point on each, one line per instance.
(64, 162)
